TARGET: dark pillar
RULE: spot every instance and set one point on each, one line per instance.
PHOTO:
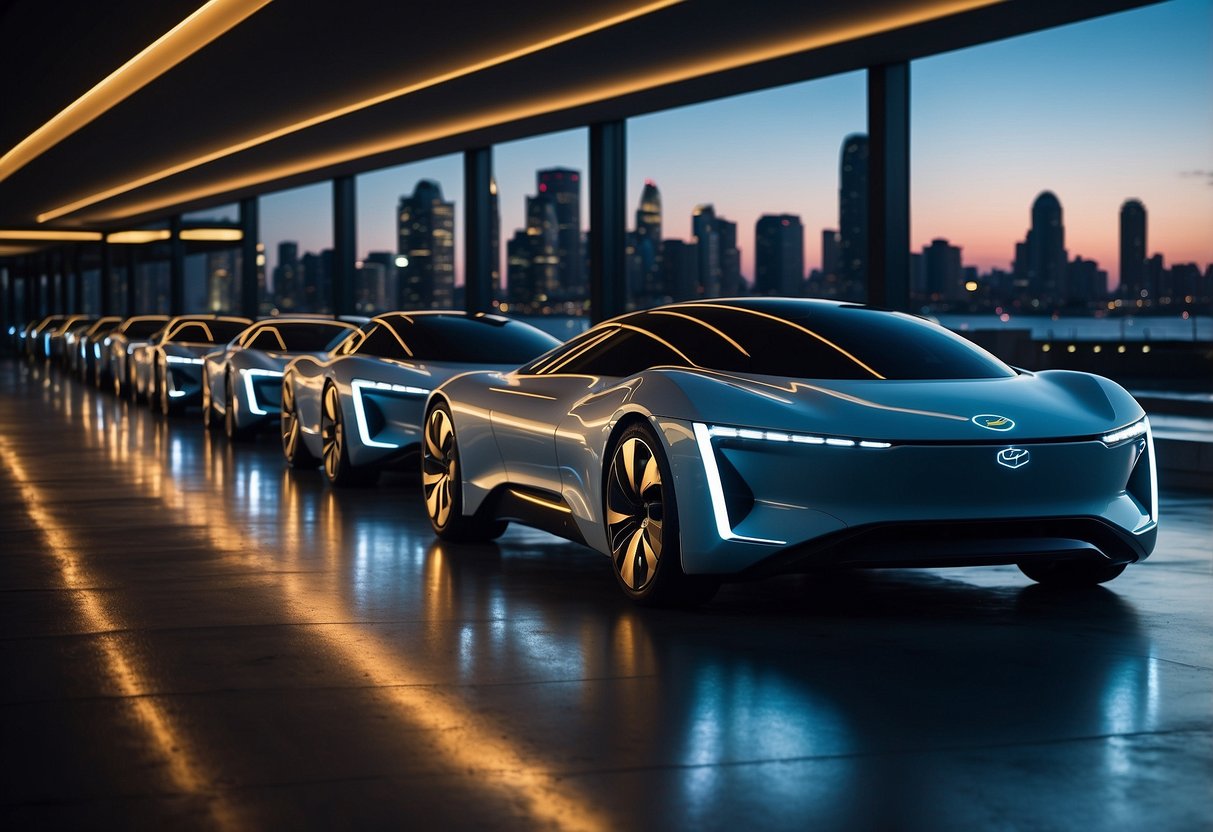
(106, 287)
(344, 243)
(176, 267)
(608, 183)
(132, 291)
(75, 255)
(250, 229)
(478, 230)
(889, 186)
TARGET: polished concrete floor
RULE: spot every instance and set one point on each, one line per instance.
(194, 637)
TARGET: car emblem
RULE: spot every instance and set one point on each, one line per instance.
(992, 422)
(1014, 457)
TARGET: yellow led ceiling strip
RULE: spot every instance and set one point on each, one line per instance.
(174, 46)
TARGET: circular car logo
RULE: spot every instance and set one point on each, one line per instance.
(990, 421)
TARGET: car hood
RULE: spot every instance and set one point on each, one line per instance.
(1048, 405)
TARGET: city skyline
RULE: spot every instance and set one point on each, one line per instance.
(1099, 112)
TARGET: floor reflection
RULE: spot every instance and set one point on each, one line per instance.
(861, 700)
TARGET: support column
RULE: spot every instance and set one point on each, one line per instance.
(478, 250)
(608, 188)
(889, 186)
(176, 267)
(75, 257)
(344, 243)
(250, 230)
(106, 283)
(132, 291)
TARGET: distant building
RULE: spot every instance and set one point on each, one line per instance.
(779, 255)
(1085, 283)
(1041, 263)
(426, 248)
(648, 240)
(707, 241)
(680, 269)
(562, 187)
(534, 260)
(942, 274)
(317, 279)
(376, 289)
(1132, 249)
(830, 248)
(853, 218)
(731, 282)
(286, 277)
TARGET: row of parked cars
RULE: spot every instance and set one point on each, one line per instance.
(690, 443)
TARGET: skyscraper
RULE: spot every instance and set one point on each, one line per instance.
(1132, 249)
(707, 242)
(562, 187)
(853, 218)
(426, 242)
(648, 241)
(779, 255)
(941, 271)
(1046, 251)
(730, 258)
(286, 275)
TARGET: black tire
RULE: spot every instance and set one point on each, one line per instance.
(294, 449)
(442, 488)
(231, 427)
(334, 443)
(208, 406)
(1071, 573)
(640, 511)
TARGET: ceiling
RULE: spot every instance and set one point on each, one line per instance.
(360, 84)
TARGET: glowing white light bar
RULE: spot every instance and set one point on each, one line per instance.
(181, 359)
(1153, 471)
(796, 438)
(1131, 432)
(360, 384)
(703, 437)
(253, 405)
(176, 394)
(97, 350)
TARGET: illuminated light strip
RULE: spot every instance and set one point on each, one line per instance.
(224, 235)
(1139, 428)
(360, 384)
(556, 363)
(523, 393)
(703, 323)
(541, 106)
(539, 501)
(254, 407)
(703, 438)
(182, 767)
(137, 237)
(1153, 472)
(203, 26)
(445, 77)
(794, 325)
(796, 438)
(659, 340)
(181, 359)
(77, 236)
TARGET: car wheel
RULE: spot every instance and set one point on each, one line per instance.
(334, 444)
(641, 515)
(208, 404)
(1071, 573)
(231, 426)
(442, 488)
(293, 447)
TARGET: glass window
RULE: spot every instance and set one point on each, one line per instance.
(487, 339)
(410, 231)
(207, 332)
(297, 238)
(1065, 173)
(762, 193)
(625, 352)
(143, 327)
(266, 338)
(299, 337)
(542, 193)
(382, 342)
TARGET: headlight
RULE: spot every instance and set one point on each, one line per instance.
(1133, 431)
(181, 359)
(794, 438)
(254, 407)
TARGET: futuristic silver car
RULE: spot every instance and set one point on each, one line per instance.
(360, 407)
(168, 369)
(744, 437)
(119, 347)
(86, 352)
(242, 383)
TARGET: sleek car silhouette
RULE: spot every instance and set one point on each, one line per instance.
(735, 438)
(242, 383)
(86, 349)
(359, 408)
(119, 346)
(168, 369)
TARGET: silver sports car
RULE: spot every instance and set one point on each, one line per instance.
(745, 437)
(168, 369)
(359, 408)
(242, 383)
(118, 349)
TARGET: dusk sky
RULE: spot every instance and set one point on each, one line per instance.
(1098, 112)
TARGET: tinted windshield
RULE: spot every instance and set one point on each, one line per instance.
(474, 340)
(300, 337)
(785, 338)
(143, 329)
(207, 332)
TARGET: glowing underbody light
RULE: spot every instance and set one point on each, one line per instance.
(254, 406)
(360, 384)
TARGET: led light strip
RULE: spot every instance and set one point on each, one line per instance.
(1133, 431)
(703, 438)
(796, 438)
(180, 359)
(360, 384)
(255, 408)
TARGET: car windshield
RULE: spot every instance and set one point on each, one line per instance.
(143, 328)
(207, 332)
(788, 338)
(300, 337)
(488, 339)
